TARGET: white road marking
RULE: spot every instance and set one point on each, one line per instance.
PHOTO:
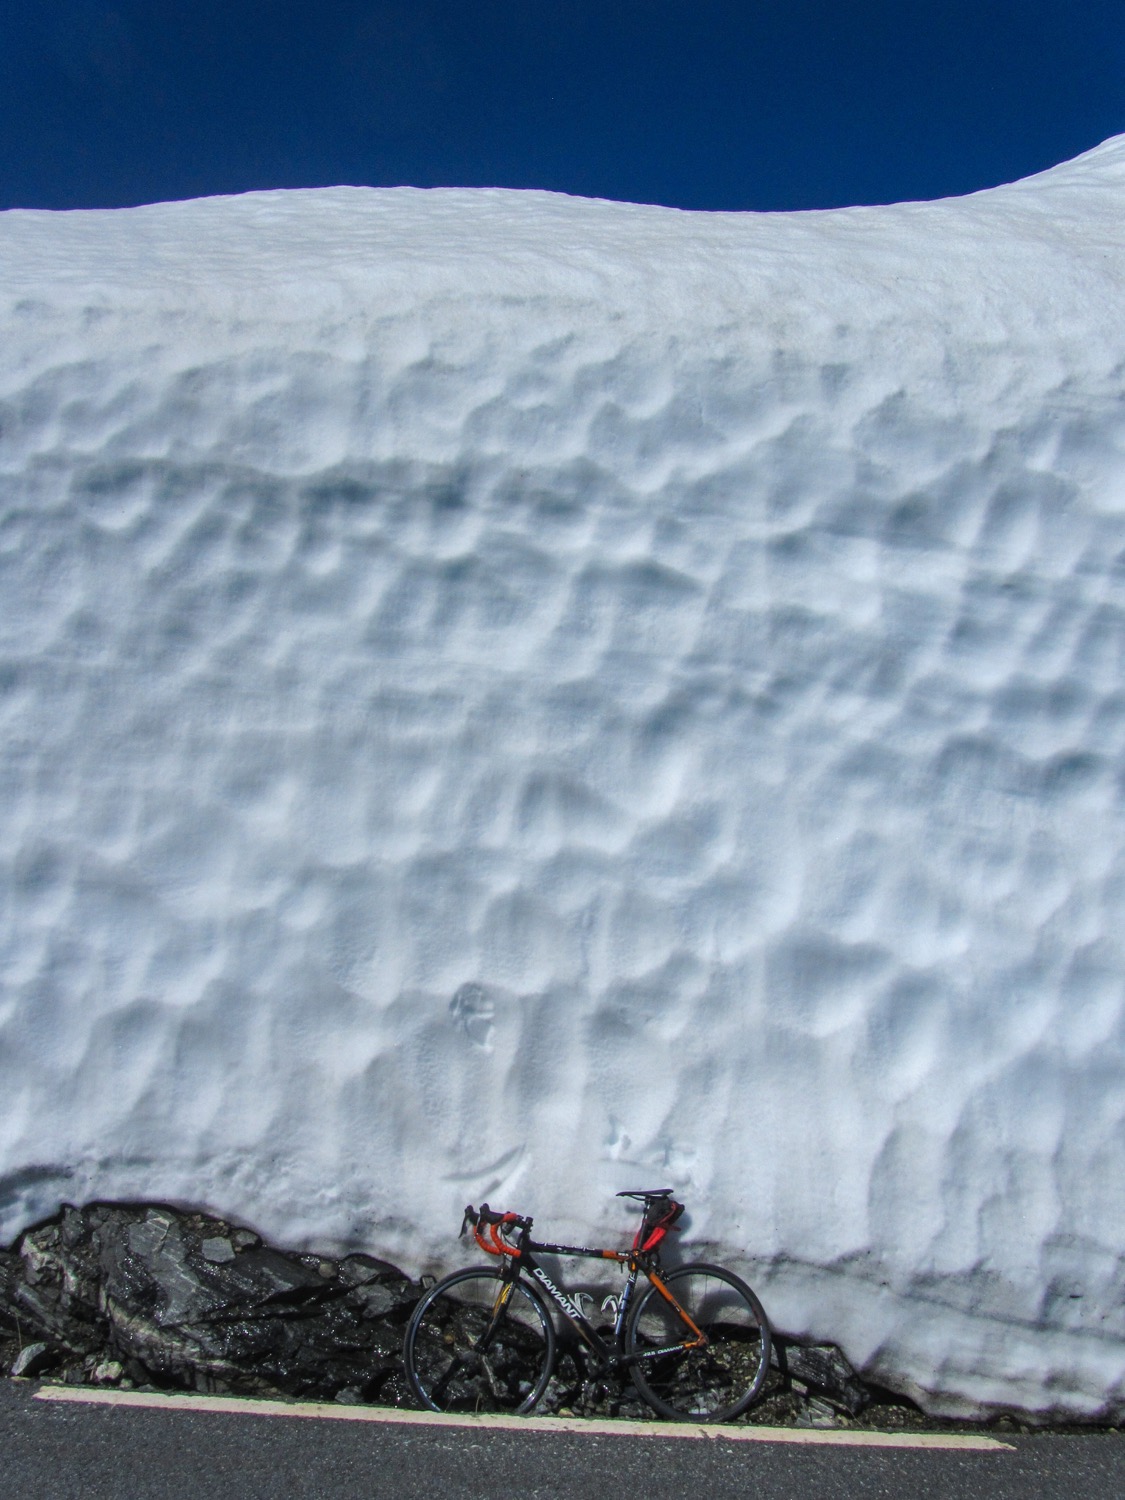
(844, 1437)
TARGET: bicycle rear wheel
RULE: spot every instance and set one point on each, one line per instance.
(718, 1381)
(479, 1343)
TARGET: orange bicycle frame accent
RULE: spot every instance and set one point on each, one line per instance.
(700, 1337)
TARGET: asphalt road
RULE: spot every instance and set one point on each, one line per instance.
(59, 1450)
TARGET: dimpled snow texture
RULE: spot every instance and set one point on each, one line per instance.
(512, 696)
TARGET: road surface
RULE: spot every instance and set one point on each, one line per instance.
(195, 1447)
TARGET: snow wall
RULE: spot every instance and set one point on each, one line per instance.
(506, 696)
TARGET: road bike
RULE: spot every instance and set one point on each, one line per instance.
(695, 1341)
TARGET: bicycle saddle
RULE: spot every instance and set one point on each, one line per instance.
(648, 1193)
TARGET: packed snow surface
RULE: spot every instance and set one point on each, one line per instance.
(507, 696)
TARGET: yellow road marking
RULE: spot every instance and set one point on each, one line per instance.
(239, 1406)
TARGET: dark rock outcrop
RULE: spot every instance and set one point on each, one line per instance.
(183, 1300)
(823, 1371)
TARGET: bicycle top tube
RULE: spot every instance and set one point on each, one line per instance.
(585, 1252)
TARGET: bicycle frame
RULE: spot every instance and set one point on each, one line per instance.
(521, 1258)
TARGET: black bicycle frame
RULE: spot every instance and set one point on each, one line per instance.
(615, 1358)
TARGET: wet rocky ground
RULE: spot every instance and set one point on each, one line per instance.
(143, 1296)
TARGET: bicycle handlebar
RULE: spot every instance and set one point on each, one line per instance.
(498, 1226)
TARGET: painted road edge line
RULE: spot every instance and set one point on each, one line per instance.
(240, 1406)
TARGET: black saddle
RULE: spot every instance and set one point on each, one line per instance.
(646, 1195)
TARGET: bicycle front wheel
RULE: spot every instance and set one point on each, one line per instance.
(479, 1343)
(717, 1381)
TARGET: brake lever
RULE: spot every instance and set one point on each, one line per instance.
(471, 1217)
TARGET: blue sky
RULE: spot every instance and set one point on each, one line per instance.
(768, 104)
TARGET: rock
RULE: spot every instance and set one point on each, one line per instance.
(37, 1255)
(9, 1277)
(107, 1372)
(375, 1299)
(40, 1294)
(33, 1359)
(217, 1250)
(816, 1413)
(823, 1370)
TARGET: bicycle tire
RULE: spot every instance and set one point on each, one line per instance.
(719, 1381)
(465, 1352)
